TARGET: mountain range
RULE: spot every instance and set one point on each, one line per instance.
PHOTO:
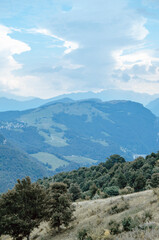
(66, 134)
(9, 104)
(154, 106)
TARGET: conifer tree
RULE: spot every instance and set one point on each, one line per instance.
(121, 180)
(155, 180)
(22, 209)
(93, 190)
(139, 183)
(59, 206)
(75, 191)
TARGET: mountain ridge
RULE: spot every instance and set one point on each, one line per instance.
(9, 104)
(60, 124)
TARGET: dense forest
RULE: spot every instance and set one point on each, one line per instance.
(112, 177)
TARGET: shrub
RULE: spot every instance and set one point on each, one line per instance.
(126, 190)
(112, 191)
(130, 223)
(83, 235)
(127, 224)
(96, 196)
(118, 208)
(114, 227)
(147, 216)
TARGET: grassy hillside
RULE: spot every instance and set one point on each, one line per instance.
(94, 217)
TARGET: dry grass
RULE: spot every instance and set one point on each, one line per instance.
(94, 216)
(149, 234)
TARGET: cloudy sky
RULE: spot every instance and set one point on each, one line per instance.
(51, 47)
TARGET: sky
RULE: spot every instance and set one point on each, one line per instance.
(52, 47)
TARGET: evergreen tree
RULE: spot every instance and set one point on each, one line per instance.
(21, 209)
(75, 191)
(113, 159)
(59, 206)
(93, 190)
(139, 183)
(122, 180)
(155, 180)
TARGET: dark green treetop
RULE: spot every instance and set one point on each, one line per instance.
(22, 209)
(59, 206)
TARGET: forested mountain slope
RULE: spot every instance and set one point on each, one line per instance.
(112, 176)
(68, 134)
(16, 164)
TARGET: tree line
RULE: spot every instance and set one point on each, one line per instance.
(113, 177)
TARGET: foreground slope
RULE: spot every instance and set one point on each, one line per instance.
(67, 134)
(94, 216)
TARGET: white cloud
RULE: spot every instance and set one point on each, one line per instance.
(25, 85)
(79, 49)
(141, 69)
(128, 61)
(138, 30)
(8, 48)
(9, 44)
(69, 65)
(139, 85)
(69, 45)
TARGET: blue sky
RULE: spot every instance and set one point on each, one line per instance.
(51, 47)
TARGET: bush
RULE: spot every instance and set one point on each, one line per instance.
(117, 208)
(96, 196)
(112, 191)
(83, 235)
(114, 227)
(126, 190)
(147, 216)
(127, 224)
(130, 223)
